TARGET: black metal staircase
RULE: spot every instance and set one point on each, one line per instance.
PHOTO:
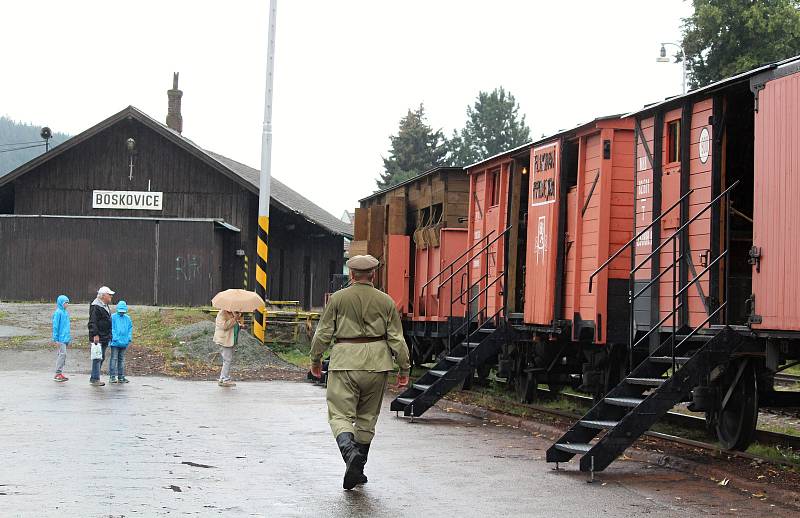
(633, 406)
(479, 334)
(666, 376)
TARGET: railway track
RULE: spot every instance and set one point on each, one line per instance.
(697, 423)
(787, 379)
(763, 436)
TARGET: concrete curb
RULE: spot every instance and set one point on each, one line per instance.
(784, 497)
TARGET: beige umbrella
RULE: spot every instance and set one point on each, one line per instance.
(242, 301)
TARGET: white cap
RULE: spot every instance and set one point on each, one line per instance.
(105, 290)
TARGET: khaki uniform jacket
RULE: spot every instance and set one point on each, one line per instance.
(223, 329)
(361, 311)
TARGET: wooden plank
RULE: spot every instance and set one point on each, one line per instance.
(361, 224)
(396, 223)
(358, 248)
(375, 235)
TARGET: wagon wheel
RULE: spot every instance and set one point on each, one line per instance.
(525, 386)
(483, 374)
(736, 421)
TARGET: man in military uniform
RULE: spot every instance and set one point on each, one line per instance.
(363, 325)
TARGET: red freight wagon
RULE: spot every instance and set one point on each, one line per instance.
(714, 276)
(562, 205)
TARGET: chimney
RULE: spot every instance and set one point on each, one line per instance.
(174, 117)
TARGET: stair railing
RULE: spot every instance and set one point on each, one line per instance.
(677, 293)
(473, 321)
(450, 267)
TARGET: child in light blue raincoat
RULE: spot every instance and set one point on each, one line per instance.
(121, 336)
(61, 335)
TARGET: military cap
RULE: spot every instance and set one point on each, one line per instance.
(362, 263)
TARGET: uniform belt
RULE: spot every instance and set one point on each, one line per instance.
(360, 340)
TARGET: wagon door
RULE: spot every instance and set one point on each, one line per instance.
(776, 211)
(540, 274)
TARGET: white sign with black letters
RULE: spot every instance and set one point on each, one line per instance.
(130, 200)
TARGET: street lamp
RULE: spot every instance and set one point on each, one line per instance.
(662, 58)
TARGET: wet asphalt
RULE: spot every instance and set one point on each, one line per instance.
(165, 447)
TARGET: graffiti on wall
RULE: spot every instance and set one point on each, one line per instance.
(187, 267)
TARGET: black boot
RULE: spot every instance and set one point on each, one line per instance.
(364, 449)
(352, 458)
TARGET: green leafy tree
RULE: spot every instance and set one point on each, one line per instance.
(726, 37)
(494, 125)
(415, 149)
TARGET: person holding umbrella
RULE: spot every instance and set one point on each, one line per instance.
(228, 324)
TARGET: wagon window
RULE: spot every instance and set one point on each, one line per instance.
(494, 185)
(674, 141)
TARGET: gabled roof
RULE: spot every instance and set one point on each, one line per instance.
(245, 176)
(288, 198)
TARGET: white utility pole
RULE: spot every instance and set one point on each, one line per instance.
(260, 317)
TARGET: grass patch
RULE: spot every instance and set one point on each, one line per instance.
(791, 370)
(782, 429)
(295, 354)
(3, 315)
(777, 453)
(14, 342)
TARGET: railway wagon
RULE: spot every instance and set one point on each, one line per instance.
(541, 218)
(713, 274)
(548, 214)
(416, 228)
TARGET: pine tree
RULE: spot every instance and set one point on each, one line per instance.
(21, 142)
(415, 149)
(493, 125)
(725, 37)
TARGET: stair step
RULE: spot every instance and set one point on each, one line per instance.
(624, 401)
(574, 448)
(404, 400)
(647, 382)
(600, 425)
(421, 387)
(437, 373)
(470, 345)
(668, 359)
(454, 359)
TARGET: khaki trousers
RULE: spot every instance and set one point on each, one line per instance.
(354, 402)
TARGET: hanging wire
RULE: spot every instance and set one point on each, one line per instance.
(21, 148)
(22, 143)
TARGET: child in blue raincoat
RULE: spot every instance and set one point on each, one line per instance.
(121, 336)
(61, 335)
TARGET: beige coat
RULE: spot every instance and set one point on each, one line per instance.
(223, 329)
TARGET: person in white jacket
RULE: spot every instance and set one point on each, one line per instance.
(226, 335)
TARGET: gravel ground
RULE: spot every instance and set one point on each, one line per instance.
(196, 343)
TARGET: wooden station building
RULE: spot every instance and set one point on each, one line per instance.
(133, 204)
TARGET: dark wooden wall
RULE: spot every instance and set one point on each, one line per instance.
(145, 261)
(295, 246)
(192, 189)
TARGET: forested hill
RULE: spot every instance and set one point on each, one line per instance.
(20, 142)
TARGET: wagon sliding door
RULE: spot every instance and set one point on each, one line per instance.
(776, 211)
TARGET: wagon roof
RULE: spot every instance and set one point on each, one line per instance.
(544, 139)
(722, 83)
(413, 179)
(245, 176)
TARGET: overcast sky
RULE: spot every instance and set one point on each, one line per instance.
(345, 71)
